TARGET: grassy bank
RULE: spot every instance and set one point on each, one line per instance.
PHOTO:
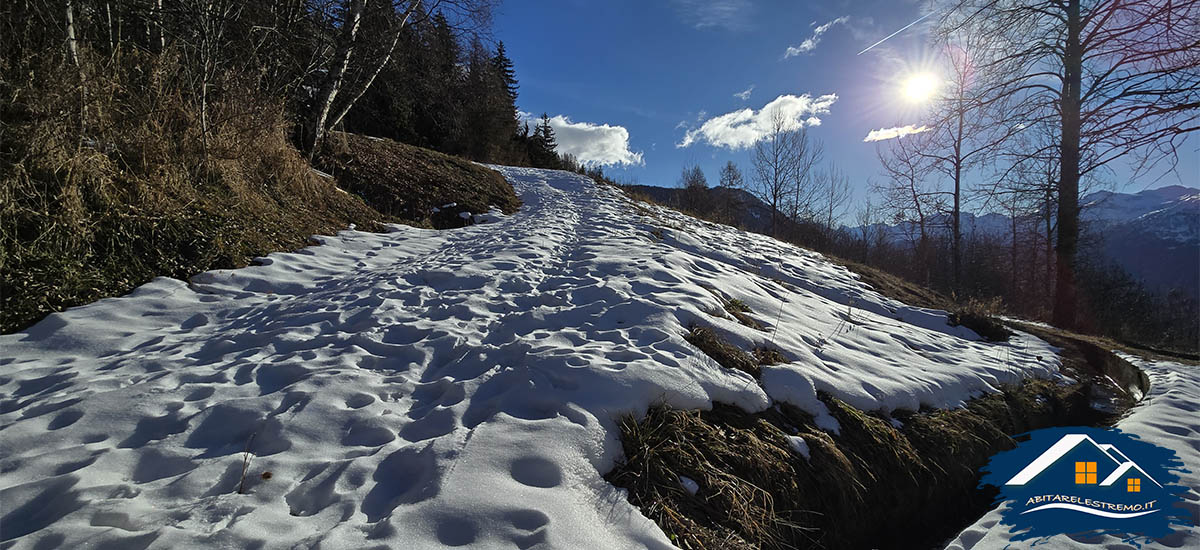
(99, 197)
(409, 183)
(148, 190)
(901, 480)
(904, 481)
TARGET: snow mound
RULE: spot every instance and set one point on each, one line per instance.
(431, 389)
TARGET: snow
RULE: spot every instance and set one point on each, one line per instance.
(1106, 207)
(689, 485)
(1165, 417)
(799, 445)
(431, 389)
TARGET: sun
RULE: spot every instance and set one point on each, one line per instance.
(920, 87)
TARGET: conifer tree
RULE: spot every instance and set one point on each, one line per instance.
(504, 68)
(543, 146)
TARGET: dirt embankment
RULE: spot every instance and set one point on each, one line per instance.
(415, 185)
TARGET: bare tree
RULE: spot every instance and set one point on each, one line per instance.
(205, 48)
(376, 65)
(695, 188)
(908, 196)
(806, 188)
(783, 170)
(966, 126)
(731, 176)
(1119, 78)
(375, 51)
(774, 158)
(73, 51)
(335, 75)
(870, 227)
(835, 195)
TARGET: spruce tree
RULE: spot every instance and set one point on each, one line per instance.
(542, 146)
(441, 119)
(504, 68)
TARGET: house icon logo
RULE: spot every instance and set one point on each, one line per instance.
(1088, 480)
(1112, 463)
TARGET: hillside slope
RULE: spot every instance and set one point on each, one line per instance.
(430, 389)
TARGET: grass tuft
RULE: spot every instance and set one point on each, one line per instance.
(735, 308)
(721, 351)
(980, 316)
(769, 356)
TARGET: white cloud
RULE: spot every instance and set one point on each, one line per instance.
(745, 127)
(897, 132)
(744, 94)
(811, 42)
(594, 144)
(703, 14)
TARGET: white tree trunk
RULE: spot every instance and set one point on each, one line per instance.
(378, 68)
(335, 77)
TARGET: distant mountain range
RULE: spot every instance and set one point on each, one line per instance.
(1153, 234)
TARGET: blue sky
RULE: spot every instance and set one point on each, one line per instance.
(630, 80)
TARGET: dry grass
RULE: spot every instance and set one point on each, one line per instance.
(871, 486)
(1105, 343)
(409, 182)
(137, 195)
(740, 311)
(734, 467)
(981, 316)
(896, 287)
(734, 308)
(769, 356)
(721, 351)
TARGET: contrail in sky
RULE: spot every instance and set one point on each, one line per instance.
(897, 32)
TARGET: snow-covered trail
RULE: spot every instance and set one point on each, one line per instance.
(431, 389)
(1168, 417)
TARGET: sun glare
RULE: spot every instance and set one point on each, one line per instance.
(920, 87)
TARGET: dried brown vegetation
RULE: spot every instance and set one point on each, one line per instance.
(141, 188)
(907, 481)
(721, 351)
(409, 182)
(873, 485)
(980, 316)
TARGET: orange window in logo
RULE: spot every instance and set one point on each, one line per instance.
(1133, 485)
(1085, 473)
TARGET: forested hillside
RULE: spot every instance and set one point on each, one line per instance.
(144, 138)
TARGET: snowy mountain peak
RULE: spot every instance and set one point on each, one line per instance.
(1107, 207)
